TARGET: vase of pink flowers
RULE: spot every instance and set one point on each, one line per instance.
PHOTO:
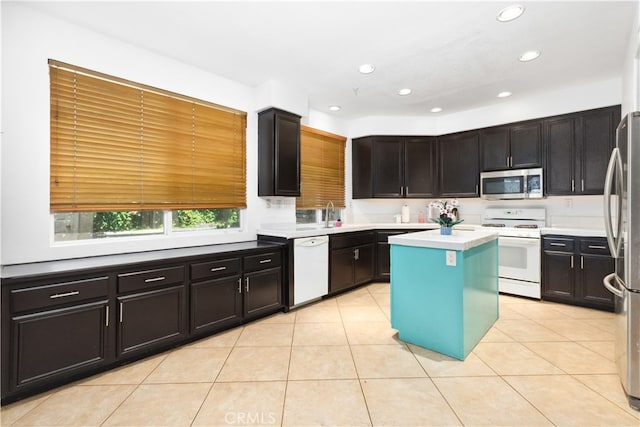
(448, 214)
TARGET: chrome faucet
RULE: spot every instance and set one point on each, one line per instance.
(326, 214)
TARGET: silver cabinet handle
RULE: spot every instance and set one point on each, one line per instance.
(597, 247)
(508, 161)
(402, 191)
(406, 191)
(66, 294)
(476, 188)
(154, 279)
(218, 268)
(246, 284)
(121, 310)
(582, 184)
(573, 185)
(106, 317)
(239, 285)
(558, 244)
(581, 262)
(356, 254)
(265, 261)
(571, 261)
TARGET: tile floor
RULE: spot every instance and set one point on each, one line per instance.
(338, 362)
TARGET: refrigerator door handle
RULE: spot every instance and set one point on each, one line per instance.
(610, 287)
(615, 164)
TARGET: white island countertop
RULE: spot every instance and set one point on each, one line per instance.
(459, 240)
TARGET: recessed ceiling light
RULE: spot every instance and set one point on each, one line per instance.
(335, 108)
(510, 13)
(367, 68)
(436, 109)
(404, 91)
(504, 94)
(529, 55)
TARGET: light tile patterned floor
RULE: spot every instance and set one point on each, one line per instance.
(338, 362)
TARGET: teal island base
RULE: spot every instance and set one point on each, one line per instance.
(444, 300)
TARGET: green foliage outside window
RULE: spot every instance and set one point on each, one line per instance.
(206, 218)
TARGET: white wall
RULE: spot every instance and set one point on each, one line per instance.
(28, 40)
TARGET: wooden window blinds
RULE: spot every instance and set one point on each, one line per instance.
(321, 169)
(119, 145)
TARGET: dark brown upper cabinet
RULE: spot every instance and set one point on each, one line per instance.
(278, 153)
(458, 162)
(394, 167)
(578, 146)
(515, 146)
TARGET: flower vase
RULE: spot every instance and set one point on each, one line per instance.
(445, 231)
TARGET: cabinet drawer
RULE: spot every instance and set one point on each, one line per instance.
(594, 246)
(216, 268)
(148, 279)
(558, 244)
(261, 261)
(383, 236)
(338, 241)
(59, 293)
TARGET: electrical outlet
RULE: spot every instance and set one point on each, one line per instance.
(451, 258)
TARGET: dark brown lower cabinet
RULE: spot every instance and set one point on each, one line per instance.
(351, 260)
(151, 319)
(216, 304)
(262, 292)
(383, 253)
(49, 345)
(573, 269)
(62, 326)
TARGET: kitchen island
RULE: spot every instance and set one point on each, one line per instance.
(444, 289)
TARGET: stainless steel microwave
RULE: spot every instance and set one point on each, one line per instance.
(512, 184)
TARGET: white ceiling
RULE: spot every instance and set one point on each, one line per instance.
(454, 55)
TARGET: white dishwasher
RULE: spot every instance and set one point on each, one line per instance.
(310, 268)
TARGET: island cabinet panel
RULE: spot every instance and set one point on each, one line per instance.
(573, 268)
(514, 146)
(351, 260)
(458, 165)
(278, 153)
(578, 146)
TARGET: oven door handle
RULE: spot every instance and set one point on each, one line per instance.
(528, 241)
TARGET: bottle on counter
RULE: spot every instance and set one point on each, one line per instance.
(421, 217)
(338, 223)
(406, 213)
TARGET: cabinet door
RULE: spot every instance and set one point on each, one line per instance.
(362, 159)
(458, 166)
(597, 129)
(558, 276)
(559, 140)
(526, 146)
(58, 343)
(287, 151)
(419, 167)
(494, 148)
(151, 319)
(216, 304)
(341, 269)
(262, 292)
(363, 264)
(387, 167)
(592, 271)
(383, 261)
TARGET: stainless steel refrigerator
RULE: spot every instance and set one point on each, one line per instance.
(622, 224)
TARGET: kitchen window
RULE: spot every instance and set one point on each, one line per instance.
(130, 159)
(321, 174)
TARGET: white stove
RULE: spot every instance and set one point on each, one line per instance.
(519, 248)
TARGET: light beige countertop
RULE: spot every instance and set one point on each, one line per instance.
(459, 240)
